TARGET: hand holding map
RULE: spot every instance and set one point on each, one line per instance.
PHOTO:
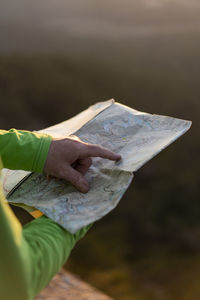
(70, 158)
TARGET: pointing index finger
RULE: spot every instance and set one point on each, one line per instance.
(98, 151)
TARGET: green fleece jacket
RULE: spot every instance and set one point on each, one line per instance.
(32, 255)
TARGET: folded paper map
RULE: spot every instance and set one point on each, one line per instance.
(136, 135)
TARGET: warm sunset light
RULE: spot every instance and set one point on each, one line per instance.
(57, 58)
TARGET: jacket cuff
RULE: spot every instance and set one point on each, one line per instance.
(41, 156)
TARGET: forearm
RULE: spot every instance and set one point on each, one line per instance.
(31, 256)
(24, 150)
(49, 246)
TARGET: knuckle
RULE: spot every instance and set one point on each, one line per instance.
(96, 147)
(75, 177)
(61, 173)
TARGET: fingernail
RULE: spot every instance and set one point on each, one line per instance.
(118, 157)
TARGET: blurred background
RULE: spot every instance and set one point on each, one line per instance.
(58, 57)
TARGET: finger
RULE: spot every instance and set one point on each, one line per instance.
(77, 179)
(83, 165)
(98, 151)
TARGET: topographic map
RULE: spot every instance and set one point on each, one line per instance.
(137, 136)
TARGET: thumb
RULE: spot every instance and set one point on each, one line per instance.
(76, 179)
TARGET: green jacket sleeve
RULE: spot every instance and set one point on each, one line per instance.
(24, 150)
(29, 256)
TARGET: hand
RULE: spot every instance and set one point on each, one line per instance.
(70, 158)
